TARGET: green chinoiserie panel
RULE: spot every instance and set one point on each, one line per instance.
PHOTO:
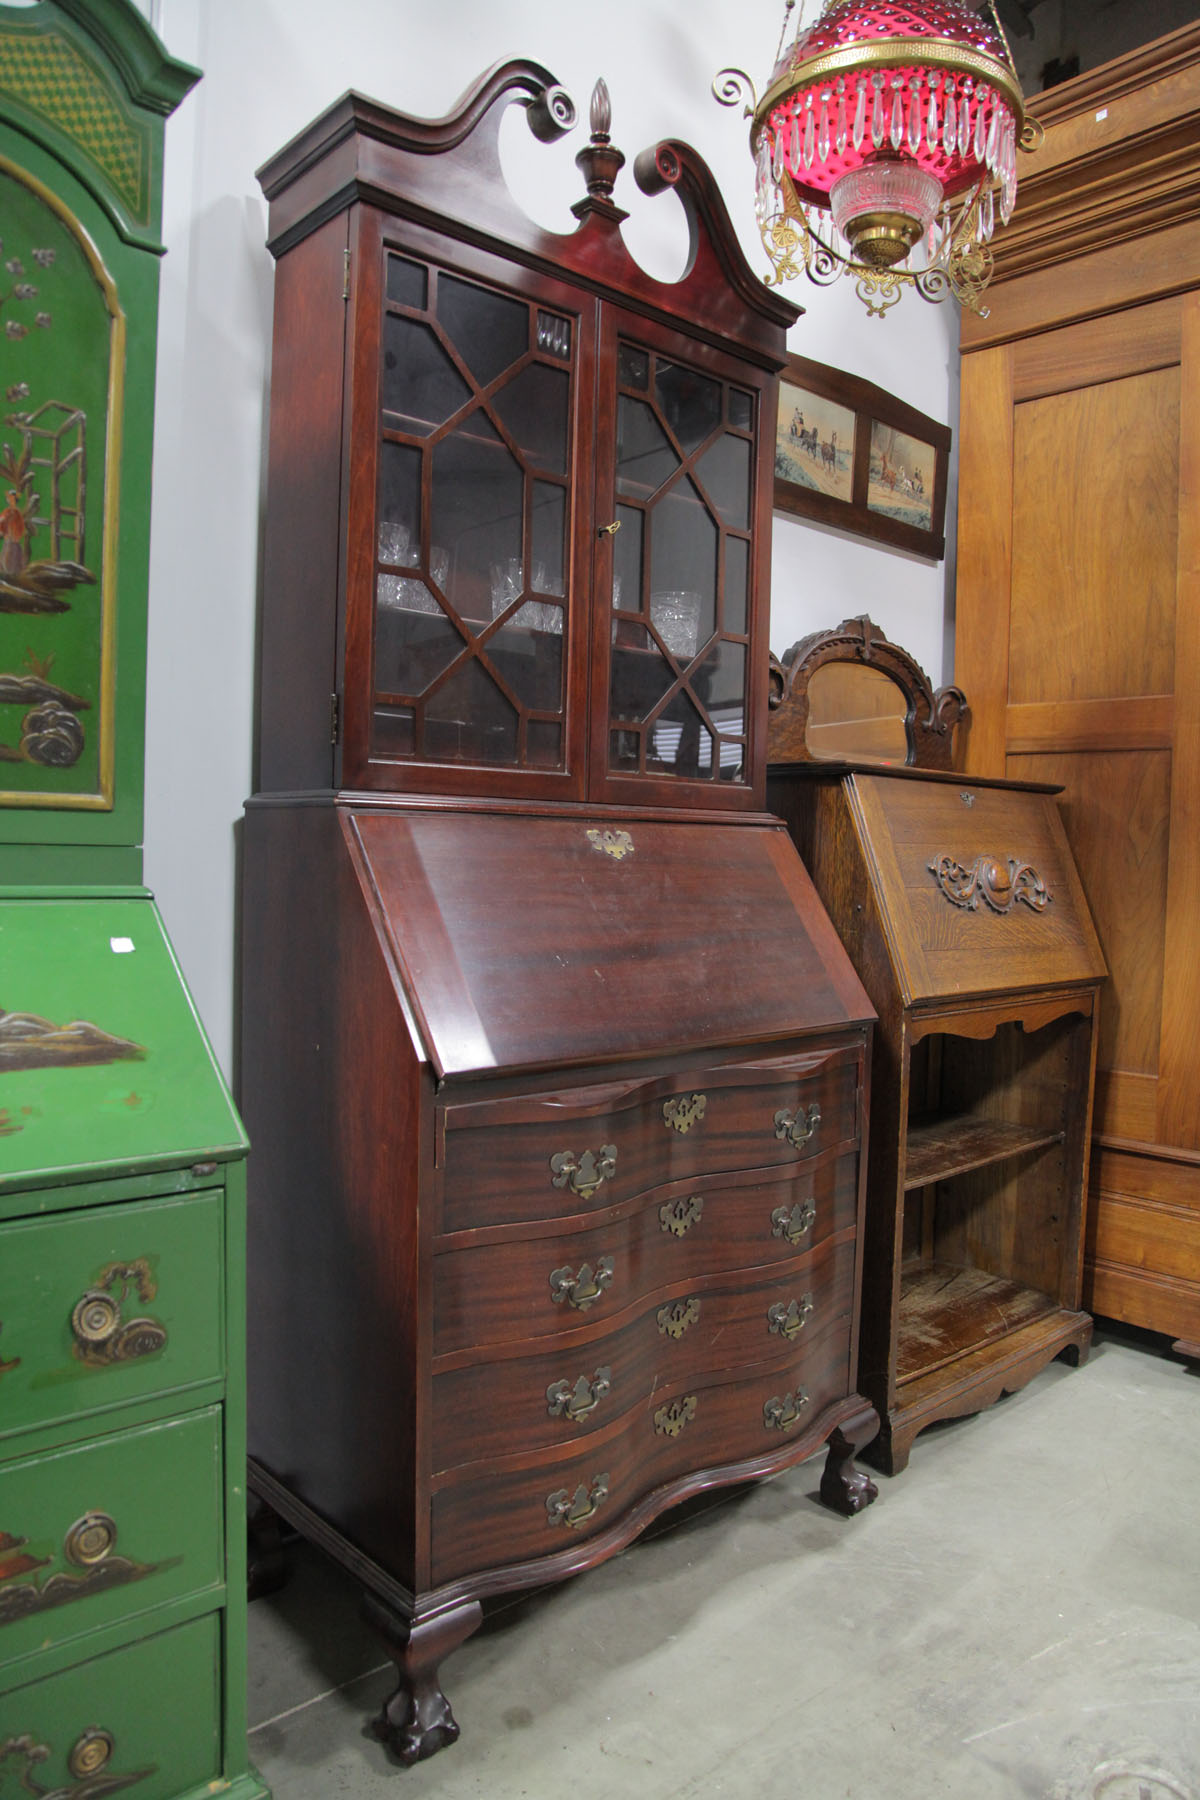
(143, 1721)
(111, 1304)
(62, 360)
(104, 1066)
(100, 1531)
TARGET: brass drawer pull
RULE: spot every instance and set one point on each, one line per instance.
(584, 1289)
(91, 1752)
(684, 1111)
(561, 1509)
(670, 1420)
(782, 1414)
(90, 1539)
(789, 1320)
(586, 1174)
(797, 1128)
(566, 1402)
(793, 1222)
(100, 1333)
(675, 1319)
(678, 1218)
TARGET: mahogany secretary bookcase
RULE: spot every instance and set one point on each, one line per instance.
(555, 1070)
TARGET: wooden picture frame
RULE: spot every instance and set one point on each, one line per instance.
(849, 454)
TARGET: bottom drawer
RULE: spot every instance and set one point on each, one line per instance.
(549, 1503)
(144, 1719)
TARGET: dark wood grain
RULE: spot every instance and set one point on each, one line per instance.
(489, 968)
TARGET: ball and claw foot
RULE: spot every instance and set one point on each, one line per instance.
(844, 1488)
(417, 1721)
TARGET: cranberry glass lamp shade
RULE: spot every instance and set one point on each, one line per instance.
(902, 119)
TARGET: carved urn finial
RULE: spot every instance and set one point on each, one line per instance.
(600, 161)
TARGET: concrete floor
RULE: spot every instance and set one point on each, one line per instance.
(1017, 1615)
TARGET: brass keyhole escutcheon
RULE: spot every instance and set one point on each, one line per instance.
(679, 1217)
(684, 1111)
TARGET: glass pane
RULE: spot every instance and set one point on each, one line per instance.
(529, 657)
(721, 678)
(469, 720)
(741, 409)
(627, 560)
(675, 614)
(399, 504)
(412, 646)
(640, 678)
(644, 457)
(679, 741)
(633, 367)
(543, 744)
(737, 583)
(725, 471)
(683, 553)
(393, 731)
(478, 492)
(553, 334)
(690, 403)
(625, 750)
(535, 408)
(488, 330)
(420, 383)
(407, 282)
(549, 538)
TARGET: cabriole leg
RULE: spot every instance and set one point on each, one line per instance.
(417, 1721)
(843, 1487)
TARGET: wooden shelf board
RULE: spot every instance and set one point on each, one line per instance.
(942, 1147)
(948, 1312)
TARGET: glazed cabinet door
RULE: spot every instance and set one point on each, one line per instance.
(683, 496)
(470, 402)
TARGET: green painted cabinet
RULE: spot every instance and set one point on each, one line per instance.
(122, 1184)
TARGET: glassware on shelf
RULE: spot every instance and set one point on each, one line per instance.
(408, 593)
(675, 613)
(508, 584)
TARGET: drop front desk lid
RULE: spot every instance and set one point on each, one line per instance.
(528, 941)
(975, 883)
(104, 1066)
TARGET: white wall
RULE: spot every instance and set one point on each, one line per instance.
(269, 66)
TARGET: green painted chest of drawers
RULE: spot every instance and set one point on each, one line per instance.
(122, 1431)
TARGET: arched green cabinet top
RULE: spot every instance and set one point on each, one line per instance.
(90, 81)
(85, 92)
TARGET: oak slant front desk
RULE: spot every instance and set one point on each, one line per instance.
(555, 1070)
(961, 909)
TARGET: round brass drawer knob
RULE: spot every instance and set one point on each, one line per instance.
(90, 1752)
(90, 1539)
(95, 1318)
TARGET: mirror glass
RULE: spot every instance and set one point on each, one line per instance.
(856, 714)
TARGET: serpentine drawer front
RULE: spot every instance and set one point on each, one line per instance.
(541, 1156)
(109, 1304)
(595, 1374)
(144, 1720)
(543, 1286)
(515, 1509)
(95, 1532)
